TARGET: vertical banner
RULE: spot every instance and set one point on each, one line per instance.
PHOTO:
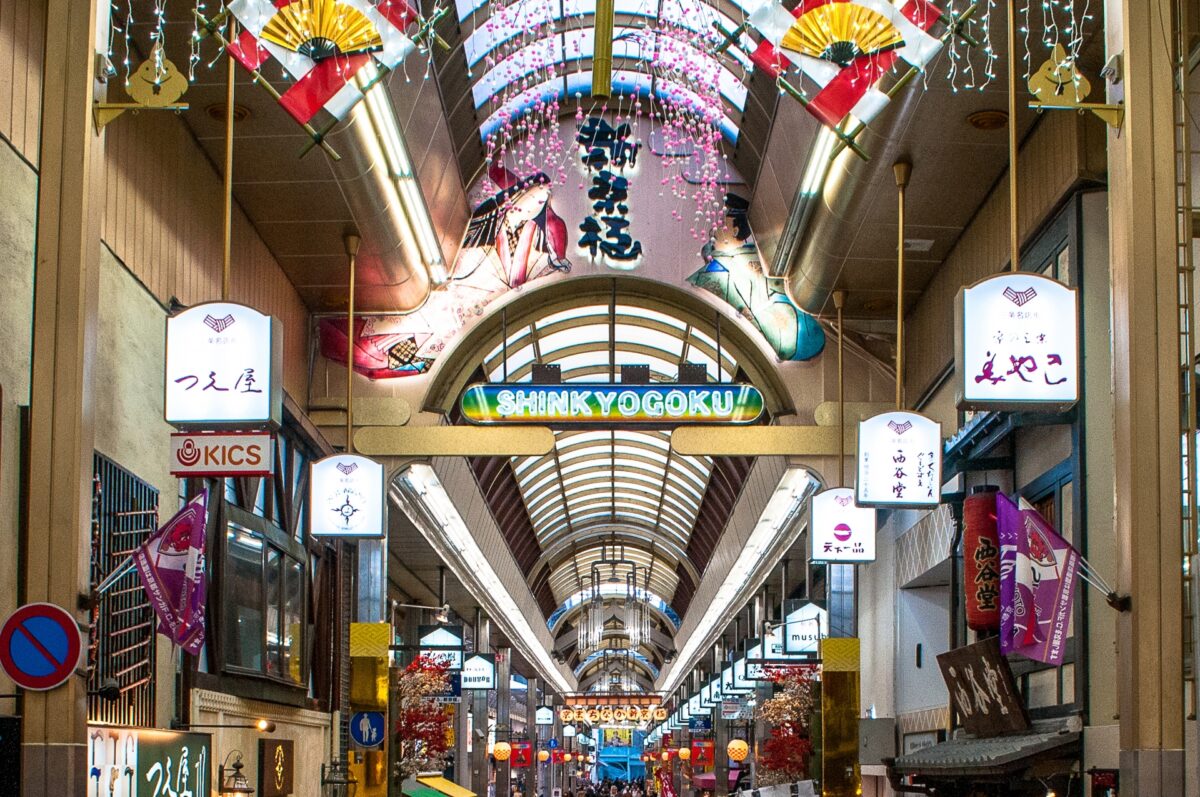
(842, 776)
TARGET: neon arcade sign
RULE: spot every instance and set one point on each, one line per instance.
(598, 404)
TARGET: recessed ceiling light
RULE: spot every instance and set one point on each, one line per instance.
(989, 119)
(216, 112)
(918, 244)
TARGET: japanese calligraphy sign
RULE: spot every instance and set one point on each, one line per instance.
(981, 562)
(442, 642)
(137, 762)
(840, 530)
(606, 151)
(346, 497)
(224, 368)
(899, 461)
(1017, 345)
(982, 689)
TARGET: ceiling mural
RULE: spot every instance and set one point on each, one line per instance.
(529, 229)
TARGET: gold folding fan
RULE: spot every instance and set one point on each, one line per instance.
(841, 32)
(321, 29)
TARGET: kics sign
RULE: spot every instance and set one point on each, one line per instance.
(222, 455)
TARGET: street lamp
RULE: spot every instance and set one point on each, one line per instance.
(260, 725)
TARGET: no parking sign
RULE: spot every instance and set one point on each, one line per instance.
(40, 646)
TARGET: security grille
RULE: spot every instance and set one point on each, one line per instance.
(124, 515)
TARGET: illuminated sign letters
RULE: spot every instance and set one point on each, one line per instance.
(899, 461)
(346, 497)
(224, 368)
(842, 531)
(1017, 343)
(606, 404)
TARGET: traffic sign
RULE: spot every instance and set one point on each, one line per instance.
(552, 744)
(39, 646)
(367, 728)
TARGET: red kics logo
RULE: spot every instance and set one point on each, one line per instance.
(188, 454)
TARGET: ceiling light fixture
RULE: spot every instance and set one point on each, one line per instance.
(387, 148)
(425, 501)
(776, 530)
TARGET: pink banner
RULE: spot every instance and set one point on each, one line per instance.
(171, 567)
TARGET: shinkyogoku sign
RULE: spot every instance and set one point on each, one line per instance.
(1018, 343)
(899, 461)
(224, 368)
(604, 404)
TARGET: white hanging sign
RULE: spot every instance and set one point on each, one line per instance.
(805, 629)
(1017, 343)
(899, 461)
(841, 530)
(224, 368)
(479, 672)
(347, 497)
(544, 716)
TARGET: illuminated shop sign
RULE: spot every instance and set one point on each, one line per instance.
(224, 368)
(544, 716)
(346, 497)
(842, 531)
(1017, 344)
(443, 643)
(143, 762)
(805, 629)
(899, 461)
(479, 671)
(605, 404)
(608, 714)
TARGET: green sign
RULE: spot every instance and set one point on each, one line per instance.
(601, 404)
(145, 762)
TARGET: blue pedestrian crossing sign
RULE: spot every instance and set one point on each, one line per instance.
(552, 744)
(367, 728)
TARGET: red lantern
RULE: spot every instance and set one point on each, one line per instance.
(981, 561)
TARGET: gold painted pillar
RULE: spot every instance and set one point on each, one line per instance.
(1146, 423)
(66, 287)
(841, 774)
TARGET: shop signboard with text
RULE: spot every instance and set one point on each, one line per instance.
(1017, 344)
(899, 461)
(605, 404)
(142, 762)
(222, 454)
(842, 531)
(224, 368)
(346, 497)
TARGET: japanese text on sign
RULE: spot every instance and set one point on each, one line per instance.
(899, 460)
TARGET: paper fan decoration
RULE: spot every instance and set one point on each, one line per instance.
(321, 29)
(842, 32)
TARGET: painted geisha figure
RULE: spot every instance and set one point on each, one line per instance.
(514, 237)
(519, 227)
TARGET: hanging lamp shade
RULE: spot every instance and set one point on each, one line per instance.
(738, 750)
(685, 753)
(502, 751)
(543, 756)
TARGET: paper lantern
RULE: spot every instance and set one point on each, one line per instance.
(567, 758)
(684, 753)
(543, 756)
(738, 750)
(981, 561)
(666, 755)
(501, 751)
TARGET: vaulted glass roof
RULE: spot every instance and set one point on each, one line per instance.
(625, 480)
(507, 43)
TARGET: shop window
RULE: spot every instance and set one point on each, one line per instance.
(263, 605)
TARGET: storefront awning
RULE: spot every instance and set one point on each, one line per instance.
(421, 791)
(444, 786)
(1002, 755)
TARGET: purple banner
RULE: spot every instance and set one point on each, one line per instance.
(1037, 584)
(171, 567)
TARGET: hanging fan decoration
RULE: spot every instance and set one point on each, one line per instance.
(842, 32)
(321, 29)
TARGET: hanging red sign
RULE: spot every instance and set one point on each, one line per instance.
(981, 562)
(522, 755)
(702, 754)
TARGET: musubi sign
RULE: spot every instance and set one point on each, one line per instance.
(598, 404)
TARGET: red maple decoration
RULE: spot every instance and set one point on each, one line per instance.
(422, 726)
(785, 756)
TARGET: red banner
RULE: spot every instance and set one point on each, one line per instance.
(702, 754)
(522, 755)
(981, 562)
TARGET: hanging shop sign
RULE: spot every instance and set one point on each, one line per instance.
(609, 714)
(899, 461)
(700, 722)
(568, 731)
(702, 753)
(982, 689)
(544, 716)
(442, 643)
(727, 684)
(347, 497)
(224, 368)
(276, 767)
(222, 455)
(147, 762)
(600, 404)
(479, 671)
(736, 709)
(805, 628)
(842, 531)
(1017, 346)
(521, 756)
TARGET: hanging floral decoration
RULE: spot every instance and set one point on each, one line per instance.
(791, 714)
(422, 725)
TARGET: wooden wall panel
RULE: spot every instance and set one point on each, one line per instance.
(1059, 153)
(22, 42)
(163, 215)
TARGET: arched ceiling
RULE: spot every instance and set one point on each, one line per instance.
(499, 45)
(605, 503)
